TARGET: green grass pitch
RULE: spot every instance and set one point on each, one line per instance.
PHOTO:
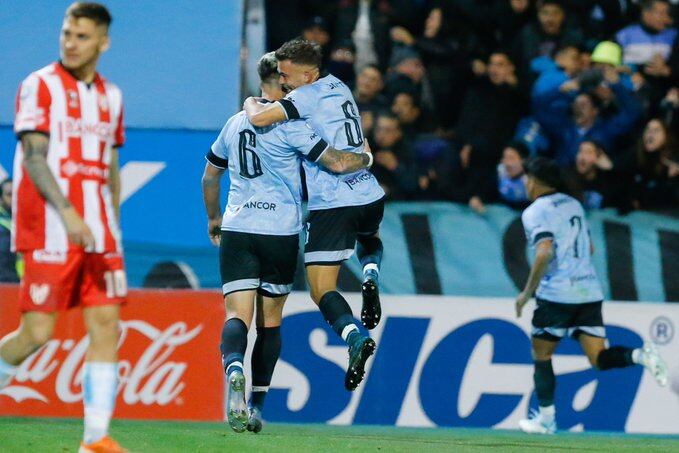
(63, 435)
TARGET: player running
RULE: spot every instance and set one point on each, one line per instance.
(345, 210)
(69, 121)
(568, 295)
(259, 235)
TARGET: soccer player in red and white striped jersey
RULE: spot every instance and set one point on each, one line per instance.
(69, 121)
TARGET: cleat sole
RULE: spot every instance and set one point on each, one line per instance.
(356, 372)
(371, 312)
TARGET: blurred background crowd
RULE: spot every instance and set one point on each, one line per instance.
(454, 94)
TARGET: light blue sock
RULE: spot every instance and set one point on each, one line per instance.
(100, 383)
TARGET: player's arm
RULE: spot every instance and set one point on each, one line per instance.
(262, 115)
(114, 180)
(212, 177)
(544, 252)
(342, 162)
(35, 146)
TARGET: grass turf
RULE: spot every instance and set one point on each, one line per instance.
(63, 435)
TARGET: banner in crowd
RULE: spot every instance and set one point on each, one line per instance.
(169, 360)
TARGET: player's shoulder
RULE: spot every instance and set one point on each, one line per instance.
(40, 74)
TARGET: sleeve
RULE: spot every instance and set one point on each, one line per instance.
(536, 226)
(120, 127)
(302, 138)
(298, 103)
(32, 107)
(218, 154)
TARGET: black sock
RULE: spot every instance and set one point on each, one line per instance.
(369, 250)
(337, 313)
(545, 382)
(265, 354)
(615, 357)
(234, 342)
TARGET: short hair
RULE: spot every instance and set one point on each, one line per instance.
(546, 171)
(90, 10)
(301, 51)
(371, 66)
(387, 114)
(544, 3)
(2, 184)
(645, 5)
(267, 67)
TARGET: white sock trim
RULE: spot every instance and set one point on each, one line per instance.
(232, 364)
(347, 330)
(260, 388)
(636, 356)
(371, 267)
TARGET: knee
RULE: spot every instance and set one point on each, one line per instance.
(104, 325)
(37, 335)
(594, 359)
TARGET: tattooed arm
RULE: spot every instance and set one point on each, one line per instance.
(345, 162)
(114, 181)
(35, 146)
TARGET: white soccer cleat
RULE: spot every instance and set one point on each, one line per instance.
(650, 359)
(535, 424)
(237, 410)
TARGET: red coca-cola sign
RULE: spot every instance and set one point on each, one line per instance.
(169, 365)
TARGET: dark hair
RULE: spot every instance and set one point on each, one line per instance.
(645, 5)
(300, 51)
(546, 171)
(90, 10)
(544, 3)
(2, 184)
(372, 66)
(387, 114)
(520, 147)
(653, 163)
(267, 67)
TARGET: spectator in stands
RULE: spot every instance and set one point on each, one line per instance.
(394, 165)
(594, 180)
(511, 176)
(566, 65)
(367, 24)
(571, 116)
(341, 63)
(545, 37)
(408, 74)
(646, 48)
(508, 17)
(368, 96)
(656, 173)
(490, 112)
(409, 114)
(443, 52)
(8, 261)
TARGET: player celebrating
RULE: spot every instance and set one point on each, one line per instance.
(69, 122)
(259, 235)
(568, 294)
(343, 209)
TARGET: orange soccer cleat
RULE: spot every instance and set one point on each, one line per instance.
(104, 445)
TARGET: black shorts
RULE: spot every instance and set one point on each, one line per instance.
(263, 262)
(331, 233)
(552, 321)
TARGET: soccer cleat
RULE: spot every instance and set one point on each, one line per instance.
(359, 352)
(650, 359)
(371, 311)
(255, 420)
(534, 424)
(237, 410)
(103, 445)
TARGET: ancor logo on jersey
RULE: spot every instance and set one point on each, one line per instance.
(39, 293)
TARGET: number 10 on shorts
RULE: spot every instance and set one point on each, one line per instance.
(116, 283)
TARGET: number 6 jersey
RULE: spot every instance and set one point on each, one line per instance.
(571, 277)
(265, 196)
(329, 108)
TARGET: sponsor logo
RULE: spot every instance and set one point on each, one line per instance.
(154, 379)
(72, 96)
(39, 293)
(77, 128)
(662, 330)
(103, 103)
(263, 205)
(71, 168)
(355, 180)
(47, 256)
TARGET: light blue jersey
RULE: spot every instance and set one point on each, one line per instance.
(330, 109)
(571, 277)
(265, 196)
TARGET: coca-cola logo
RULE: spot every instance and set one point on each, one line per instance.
(152, 379)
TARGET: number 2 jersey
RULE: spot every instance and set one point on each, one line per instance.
(265, 196)
(329, 108)
(571, 277)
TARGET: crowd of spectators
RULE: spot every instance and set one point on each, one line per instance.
(455, 94)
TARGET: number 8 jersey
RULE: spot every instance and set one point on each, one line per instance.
(571, 277)
(329, 108)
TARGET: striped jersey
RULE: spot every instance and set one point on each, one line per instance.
(84, 122)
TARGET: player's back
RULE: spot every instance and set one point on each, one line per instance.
(571, 277)
(265, 196)
(329, 108)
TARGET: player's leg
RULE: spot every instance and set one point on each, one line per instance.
(549, 321)
(103, 288)
(369, 250)
(265, 354)
(592, 336)
(35, 330)
(239, 268)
